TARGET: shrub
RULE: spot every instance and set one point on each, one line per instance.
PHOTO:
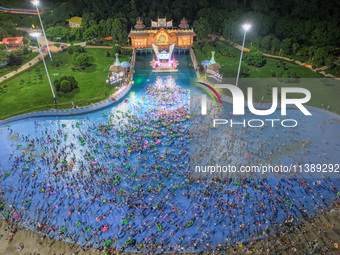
(255, 59)
(26, 51)
(80, 60)
(207, 49)
(197, 46)
(252, 49)
(123, 51)
(56, 63)
(116, 49)
(107, 54)
(70, 79)
(57, 84)
(227, 52)
(72, 49)
(65, 86)
(74, 83)
(14, 60)
(244, 72)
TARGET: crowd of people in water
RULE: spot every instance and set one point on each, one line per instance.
(121, 178)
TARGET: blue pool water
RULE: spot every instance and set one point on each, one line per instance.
(121, 173)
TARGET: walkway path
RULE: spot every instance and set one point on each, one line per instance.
(29, 64)
(319, 70)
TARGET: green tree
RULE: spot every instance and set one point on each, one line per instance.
(7, 29)
(275, 44)
(58, 31)
(286, 46)
(71, 79)
(3, 55)
(202, 28)
(14, 59)
(91, 33)
(303, 51)
(80, 60)
(255, 59)
(311, 51)
(65, 86)
(72, 49)
(57, 84)
(295, 48)
(88, 20)
(76, 33)
(266, 42)
(330, 61)
(119, 30)
(115, 49)
(320, 56)
(244, 71)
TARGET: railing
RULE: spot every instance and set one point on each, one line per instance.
(215, 75)
(194, 61)
(132, 66)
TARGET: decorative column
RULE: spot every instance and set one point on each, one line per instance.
(212, 60)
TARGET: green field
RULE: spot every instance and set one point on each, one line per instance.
(30, 90)
(324, 91)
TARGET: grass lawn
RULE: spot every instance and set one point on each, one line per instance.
(230, 65)
(30, 90)
(323, 93)
(27, 58)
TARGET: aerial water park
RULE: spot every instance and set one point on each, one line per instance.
(120, 177)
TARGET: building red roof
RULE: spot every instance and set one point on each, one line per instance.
(13, 40)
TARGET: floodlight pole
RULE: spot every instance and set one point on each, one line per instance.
(245, 27)
(43, 30)
(48, 76)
